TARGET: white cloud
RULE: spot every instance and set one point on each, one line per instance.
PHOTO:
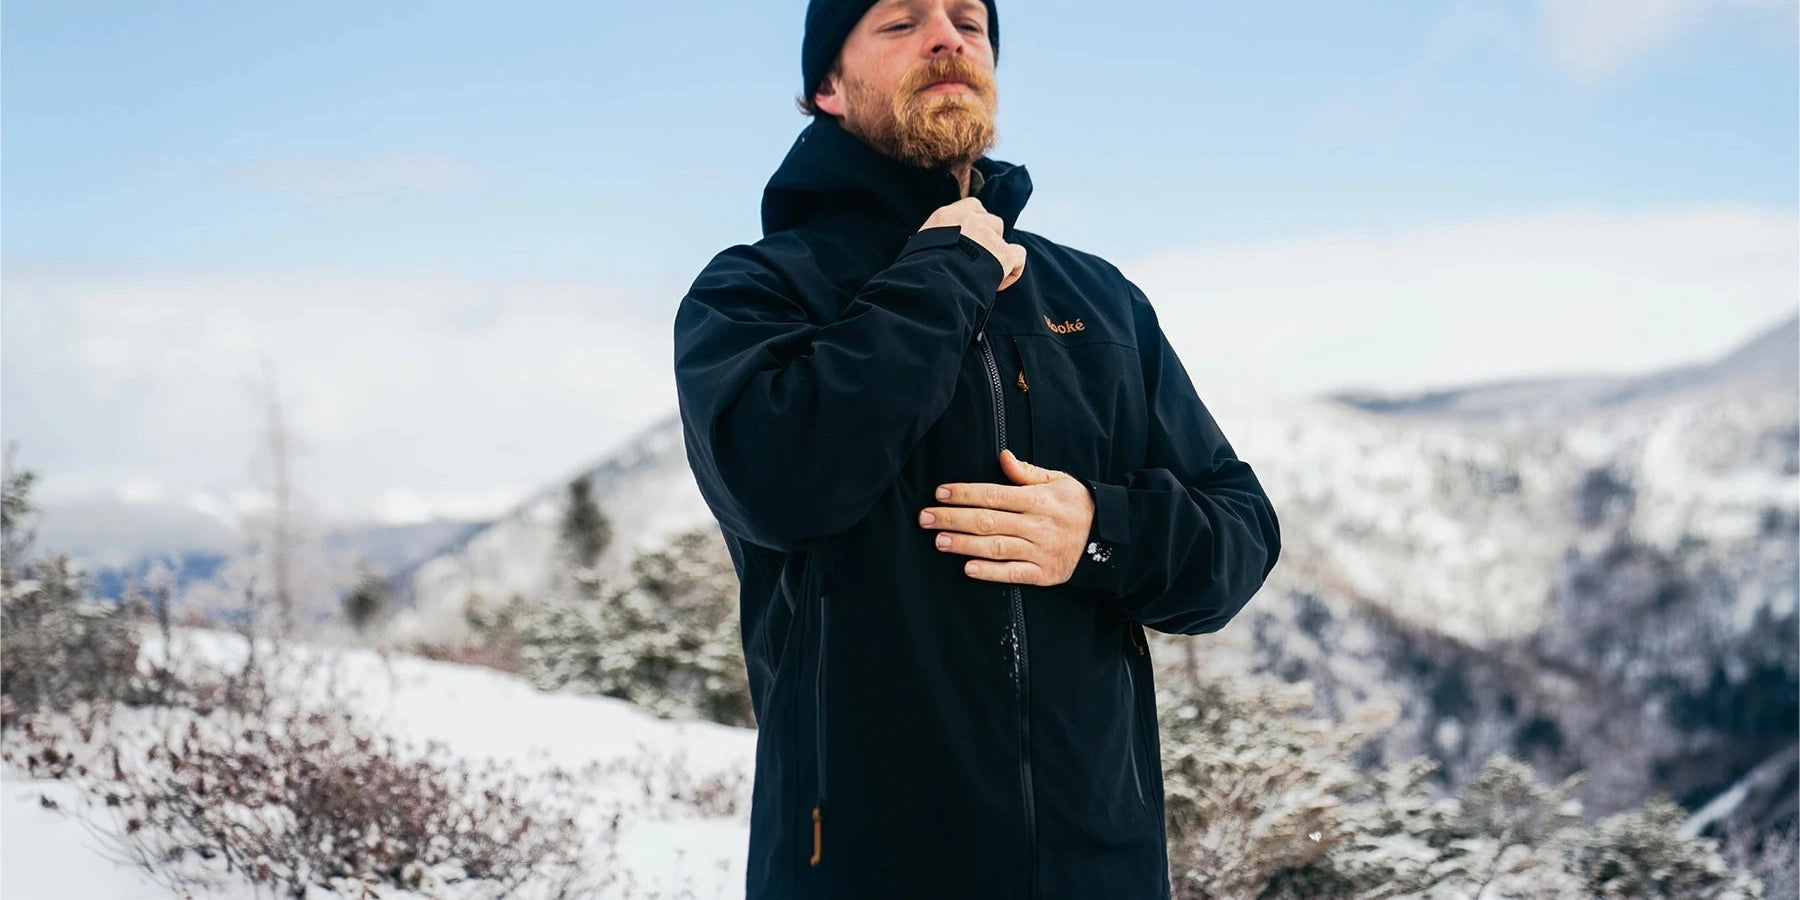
(403, 507)
(1594, 38)
(142, 490)
(402, 403)
(1566, 291)
(416, 397)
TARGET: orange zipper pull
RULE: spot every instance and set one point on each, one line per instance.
(815, 856)
(1021, 382)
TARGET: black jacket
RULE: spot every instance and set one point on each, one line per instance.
(922, 733)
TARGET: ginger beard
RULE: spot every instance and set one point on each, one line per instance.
(928, 130)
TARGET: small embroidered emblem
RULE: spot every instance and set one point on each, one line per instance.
(1067, 327)
(1022, 385)
(1097, 552)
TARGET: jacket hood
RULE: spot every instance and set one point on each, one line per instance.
(828, 167)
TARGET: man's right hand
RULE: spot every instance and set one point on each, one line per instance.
(986, 229)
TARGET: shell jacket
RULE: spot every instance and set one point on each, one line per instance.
(923, 733)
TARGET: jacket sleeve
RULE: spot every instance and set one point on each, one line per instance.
(1184, 542)
(794, 427)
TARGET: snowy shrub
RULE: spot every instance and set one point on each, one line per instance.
(1772, 855)
(1264, 802)
(667, 640)
(57, 647)
(1251, 788)
(1641, 853)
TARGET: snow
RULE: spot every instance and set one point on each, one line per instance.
(47, 854)
(477, 714)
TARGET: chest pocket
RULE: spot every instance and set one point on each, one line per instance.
(1087, 404)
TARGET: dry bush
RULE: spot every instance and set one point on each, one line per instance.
(312, 798)
(500, 657)
(667, 784)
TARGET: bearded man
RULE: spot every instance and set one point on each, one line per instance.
(960, 470)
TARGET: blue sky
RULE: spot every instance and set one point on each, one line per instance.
(467, 225)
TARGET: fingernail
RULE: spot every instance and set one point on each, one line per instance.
(943, 493)
(943, 541)
(972, 568)
(926, 518)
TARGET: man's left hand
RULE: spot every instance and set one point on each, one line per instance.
(1029, 532)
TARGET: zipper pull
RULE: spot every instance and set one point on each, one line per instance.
(1021, 382)
(1137, 638)
(815, 856)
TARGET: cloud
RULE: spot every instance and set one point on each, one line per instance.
(321, 178)
(1555, 292)
(420, 396)
(1595, 38)
(404, 403)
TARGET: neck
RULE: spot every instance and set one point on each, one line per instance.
(962, 178)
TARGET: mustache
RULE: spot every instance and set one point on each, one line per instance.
(948, 68)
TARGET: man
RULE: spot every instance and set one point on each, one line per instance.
(959, 469)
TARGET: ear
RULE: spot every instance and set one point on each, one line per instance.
(828, 98)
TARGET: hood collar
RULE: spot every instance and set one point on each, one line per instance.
(828, 167)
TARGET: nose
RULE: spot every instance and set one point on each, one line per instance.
(943, 37)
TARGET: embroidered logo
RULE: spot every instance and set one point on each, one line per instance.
(1067, 327)
(1098, 552)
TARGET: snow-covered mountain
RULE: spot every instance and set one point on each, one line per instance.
(644, 489)
(1588, 572)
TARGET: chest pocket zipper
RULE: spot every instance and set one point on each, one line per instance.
(819, 734)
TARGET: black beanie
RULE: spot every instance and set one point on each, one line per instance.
(829, 22)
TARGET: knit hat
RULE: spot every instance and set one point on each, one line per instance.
(829, 22)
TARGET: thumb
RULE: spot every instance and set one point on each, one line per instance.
(1021, 471)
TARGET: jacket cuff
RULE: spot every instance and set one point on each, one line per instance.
(1100, 566)
(983, 279)
(952, 236)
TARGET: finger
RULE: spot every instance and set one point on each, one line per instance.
(1023, 472)
(977, 520)
(999, 547)
(1005, 572)
(1015, 270)
(1016, 498)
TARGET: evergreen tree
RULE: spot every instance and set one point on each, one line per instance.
(585, 530)
(367, 601)
(15, 510)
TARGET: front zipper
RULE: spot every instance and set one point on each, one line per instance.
(819, 733)
(1021, 672)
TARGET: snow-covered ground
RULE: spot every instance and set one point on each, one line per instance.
(666, 849)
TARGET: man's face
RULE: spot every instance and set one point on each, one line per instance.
(915, 80)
